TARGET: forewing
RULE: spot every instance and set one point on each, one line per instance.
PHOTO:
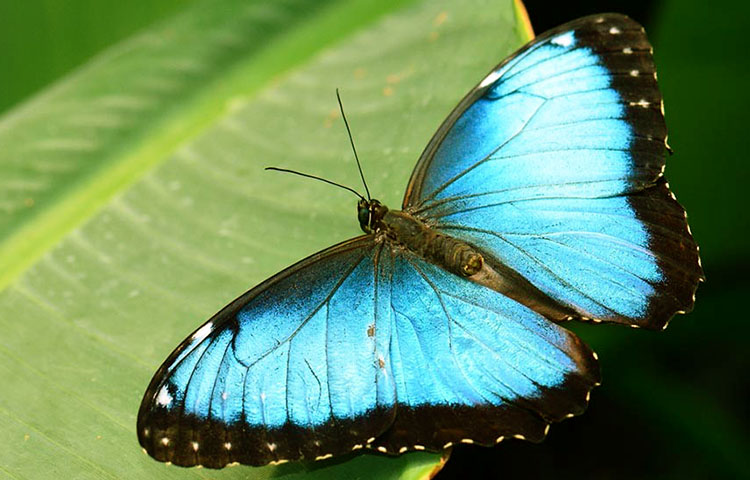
(287, 371)
(552, 166)
(471, 365)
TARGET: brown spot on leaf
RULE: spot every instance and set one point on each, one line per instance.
(440, 19)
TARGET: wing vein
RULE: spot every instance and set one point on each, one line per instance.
(467, 301)
(312, 314)
(444, 185)
(512, 189)
(519, 399)
(212, 337)
(213, 388)
(538, 262)
(516, 73)
(448, 321)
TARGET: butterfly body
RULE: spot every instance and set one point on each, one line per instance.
(403, 229)
(540, 199)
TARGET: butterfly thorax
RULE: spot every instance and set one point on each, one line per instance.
(411, 233)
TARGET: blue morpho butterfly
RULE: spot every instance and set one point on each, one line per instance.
(540, 199)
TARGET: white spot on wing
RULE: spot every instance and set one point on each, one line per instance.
(614, 30)
(490, 79)
(565, 40)
(641, 103)
(163, 398)
(203, 331)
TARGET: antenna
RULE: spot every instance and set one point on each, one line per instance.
(359, 166)
(316, 178)
(351, 140)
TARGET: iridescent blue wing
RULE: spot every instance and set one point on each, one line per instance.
(289, 370)
(472, 365)
(361, 345)
(552, 166)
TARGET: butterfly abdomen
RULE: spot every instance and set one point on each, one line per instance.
(450, 253)
(455, 255)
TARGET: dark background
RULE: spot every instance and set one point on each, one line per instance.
(673, 404)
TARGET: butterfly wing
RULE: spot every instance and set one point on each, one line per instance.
(552, 166)
(289, 370)
(363, 344)
(472, 365)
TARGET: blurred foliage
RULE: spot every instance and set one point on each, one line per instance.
(41, 40)
(704, 70)
(673, 404)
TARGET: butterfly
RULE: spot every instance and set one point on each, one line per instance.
(540, 199)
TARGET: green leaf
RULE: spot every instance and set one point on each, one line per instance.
(134, 204)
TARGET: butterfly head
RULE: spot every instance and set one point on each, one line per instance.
(370, 214)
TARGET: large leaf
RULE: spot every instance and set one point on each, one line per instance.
(134, 204)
